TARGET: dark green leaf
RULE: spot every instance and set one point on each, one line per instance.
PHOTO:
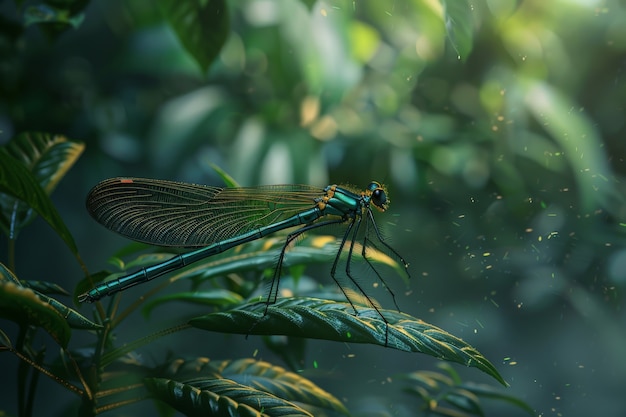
(220, 397)
(215, 297)
(487, 391)
(17, 181)
(185, 369)
(323, 319)
(436, 388)
(256, 374)
(202, 26)
(47, 156)
(279, 382)
(45, 287)
(73, 317)
(459, 26)
(23, 306)
(263, 253)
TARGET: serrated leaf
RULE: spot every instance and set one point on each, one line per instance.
(215, 297)
(328, 320)
(24, 307)
(260, 375)
(185, 369)
(17, 181)
(202, 26)
(280, 382)
(220, 397)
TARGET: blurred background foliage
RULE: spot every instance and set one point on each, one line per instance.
(497, 125)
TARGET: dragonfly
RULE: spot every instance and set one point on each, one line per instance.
(213, 220)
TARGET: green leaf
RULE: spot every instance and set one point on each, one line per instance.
(228, 180)
(279, 382)
(25, 307)
(17, 181)
(256, 374)
(202, 26)
(459, 26)
(74, 319)
(47, 156)
(45, 287)
(437, 389)
(488, 391)
(328, 320)
(185, 369)
(220, 397)
(263, 253)
(215, 297)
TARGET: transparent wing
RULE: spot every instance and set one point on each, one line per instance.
(169, 213)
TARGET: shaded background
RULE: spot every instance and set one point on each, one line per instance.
(499, 133)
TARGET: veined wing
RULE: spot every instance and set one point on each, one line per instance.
(170, 213)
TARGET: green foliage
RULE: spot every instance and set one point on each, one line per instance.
(202, 26)
(497, 125)
(241, 387)
(443, 393)
(22, 193)
(323, 319)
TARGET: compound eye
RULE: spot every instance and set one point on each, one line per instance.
(379, 198)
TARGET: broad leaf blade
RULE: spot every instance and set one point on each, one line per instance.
(323, 319)
(220, 397)
(459, 26)
(48, 158)
(73, 318)
(202, 26)
(263, 254)
(17, 181)
(25, 307)
(279, 382)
